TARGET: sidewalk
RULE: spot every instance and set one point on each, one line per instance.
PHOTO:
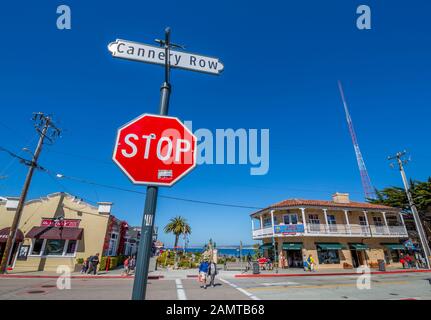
(111, 274)
(325, 272)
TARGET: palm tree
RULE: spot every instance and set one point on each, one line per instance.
(178, 226)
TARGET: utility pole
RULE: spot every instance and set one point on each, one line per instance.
(418, 223)
(144, 251)
(46, 130)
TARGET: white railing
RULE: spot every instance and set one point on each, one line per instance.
(388, 231)
(340, 230)
(262, 233)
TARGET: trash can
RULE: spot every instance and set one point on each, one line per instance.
(256, 269)
(382, 265)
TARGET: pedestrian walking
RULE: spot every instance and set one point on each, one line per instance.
(212, 272)
(305, 262)
(203, 271)
(132, 264)
(126, 265)
(249, 258)
(84, 267)
(311, 263)
(93, 263)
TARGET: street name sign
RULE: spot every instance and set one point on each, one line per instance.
(156, 55)
(155, 150)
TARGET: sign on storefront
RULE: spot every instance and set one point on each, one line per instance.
(66, 223)
(289, 228)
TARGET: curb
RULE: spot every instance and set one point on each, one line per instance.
(324, 274)
(18, 276)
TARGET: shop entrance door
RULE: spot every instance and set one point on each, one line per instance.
(294, 258)
(357, 258)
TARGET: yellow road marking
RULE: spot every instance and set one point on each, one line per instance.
(324, 286)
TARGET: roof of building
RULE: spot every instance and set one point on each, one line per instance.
(328, 204)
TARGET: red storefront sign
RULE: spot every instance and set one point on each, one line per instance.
(66, 223)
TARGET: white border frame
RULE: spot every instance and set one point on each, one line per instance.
(160, 184)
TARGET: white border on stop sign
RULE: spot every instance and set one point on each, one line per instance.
(161, 184)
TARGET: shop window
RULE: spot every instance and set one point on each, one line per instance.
(71, 247)
(328, 256)
(54, 247)
(37, 247)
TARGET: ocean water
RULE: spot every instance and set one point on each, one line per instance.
(231, 252)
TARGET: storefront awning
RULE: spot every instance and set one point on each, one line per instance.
(292, 246)
(329, 246)
(55, 233)
(4, 234)
(266, 246)
(394, 246)
(359, 246)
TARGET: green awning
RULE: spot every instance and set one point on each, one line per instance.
(292, 246)
(359, 246)
(394, 246)
(329, 246)
(266, 246)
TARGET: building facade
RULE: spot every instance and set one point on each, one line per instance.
(338, 233)
(60, 229)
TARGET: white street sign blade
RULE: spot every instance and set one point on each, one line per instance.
(151, 54)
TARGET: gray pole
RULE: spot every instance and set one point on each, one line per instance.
(15, 223)
(144, 251)
(419, 227)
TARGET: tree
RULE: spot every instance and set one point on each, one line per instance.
(178, 226)
(396, 197)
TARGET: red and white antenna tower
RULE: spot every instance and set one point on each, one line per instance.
(365, 179)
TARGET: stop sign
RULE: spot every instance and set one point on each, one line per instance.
(155, 150)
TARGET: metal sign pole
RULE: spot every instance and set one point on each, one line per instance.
(144, 252)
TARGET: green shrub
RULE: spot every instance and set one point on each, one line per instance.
(80, 260)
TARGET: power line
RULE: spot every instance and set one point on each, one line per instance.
(61, 176)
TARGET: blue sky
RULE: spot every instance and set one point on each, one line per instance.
(282, 60)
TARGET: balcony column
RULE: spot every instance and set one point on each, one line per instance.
(386, 222)
(261, 222)
(346, 214)
(272, 219)
(304, 223)
(325, 212)
(274, 243)
(252, 224)
(366, 220)
(402, 222)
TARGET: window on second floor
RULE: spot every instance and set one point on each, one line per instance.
(362, 221)
(313, 219)
(378, 222)
(291, 218)
(331, 219)
(267, 222)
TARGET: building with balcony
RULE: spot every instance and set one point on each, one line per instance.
(338, 233)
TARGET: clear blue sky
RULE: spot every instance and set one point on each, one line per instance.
(282, 60)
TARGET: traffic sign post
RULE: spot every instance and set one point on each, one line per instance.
(156, 150)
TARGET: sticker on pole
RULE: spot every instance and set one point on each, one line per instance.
(155, 150)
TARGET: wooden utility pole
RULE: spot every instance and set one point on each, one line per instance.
(43, 126)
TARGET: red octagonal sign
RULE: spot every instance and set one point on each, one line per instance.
(155, 150)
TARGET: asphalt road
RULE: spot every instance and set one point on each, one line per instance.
(383, 287)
